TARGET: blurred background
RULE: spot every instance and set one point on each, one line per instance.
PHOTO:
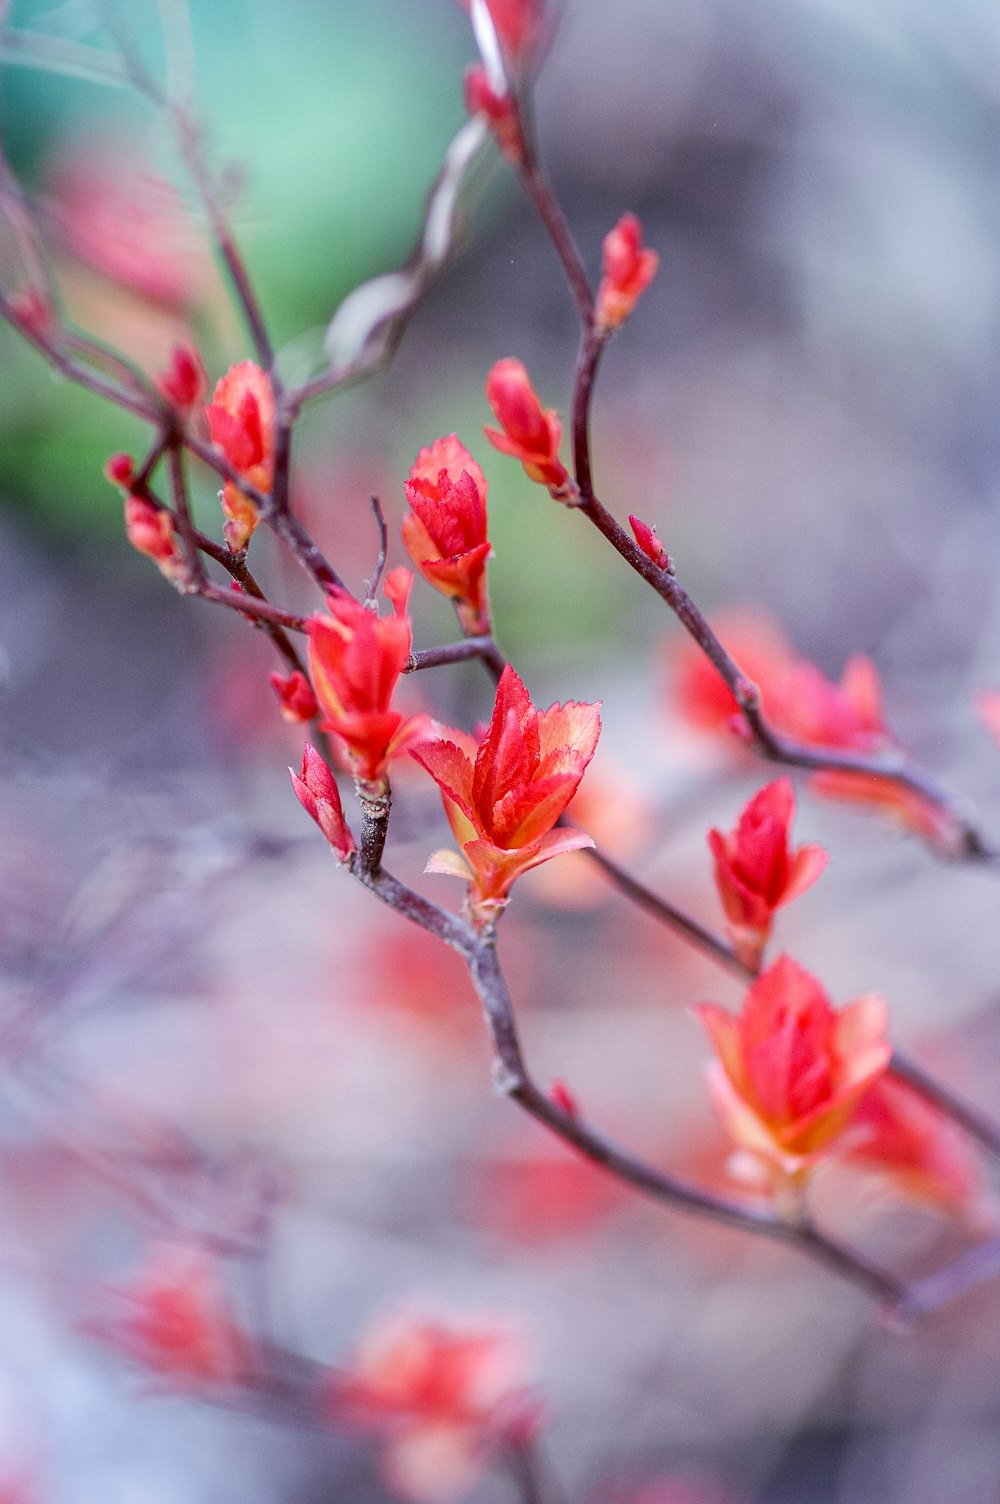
(208, 1035)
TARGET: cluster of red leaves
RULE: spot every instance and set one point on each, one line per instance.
(530, 433)
(504, 794)
(445, 532)
(800, 702)
(790, 1068)
(241, 421)
(794, 1080)
(356, 659)
(445, 1397)
(629, 268)
(756, 871)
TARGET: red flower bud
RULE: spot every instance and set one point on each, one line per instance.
(445, 534)
(31, 311)
(184, 382)
(446, 1395)
(530, 434)
(628, 271)
(175, 1318)
(650, 544)
(756, 872)
(151, 530)
(564, 1099)
(498, 110)
(316, 790)
(241, 422)
(356, 659)
(295, 696)
(120, 469)
(517, 24)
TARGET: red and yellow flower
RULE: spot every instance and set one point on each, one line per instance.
(791, 1069)
(503, 795)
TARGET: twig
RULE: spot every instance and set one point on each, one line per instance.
(484, 648)
(371, 586)
(376, 805)
(511, 1077)
(560, 234)
(977, 1124)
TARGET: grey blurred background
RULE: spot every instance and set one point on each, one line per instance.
(804, 405)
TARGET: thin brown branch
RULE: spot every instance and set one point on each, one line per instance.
(511, 1077)
(938, 1289)
(977, 1124)
(308, 553)
(182, 513)
(484, 648)
(248, 605)
(550, 213)
(189, 142)
(376, 805)
(697, 934)
(83, 375)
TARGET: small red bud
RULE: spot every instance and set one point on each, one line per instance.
(120, 469)
(295, 697)
(650, 544)
(628, 270)
(184, 382)
(316, 790)
(31, 310)
(560, 1094)
(150, 529)
(498, 110)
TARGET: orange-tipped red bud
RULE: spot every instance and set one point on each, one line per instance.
(564, 1099)
(504, 794)
(241, 422)
(791, 1069)
(498, 110)
(120, 469)
(756, 871)
(32, 312)
(628, 270)
(445, 533)
(184, 382)
(151, 530)
(295, 697)
(650, 544)
(356, 659)
(531, 433)
(317, 792)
